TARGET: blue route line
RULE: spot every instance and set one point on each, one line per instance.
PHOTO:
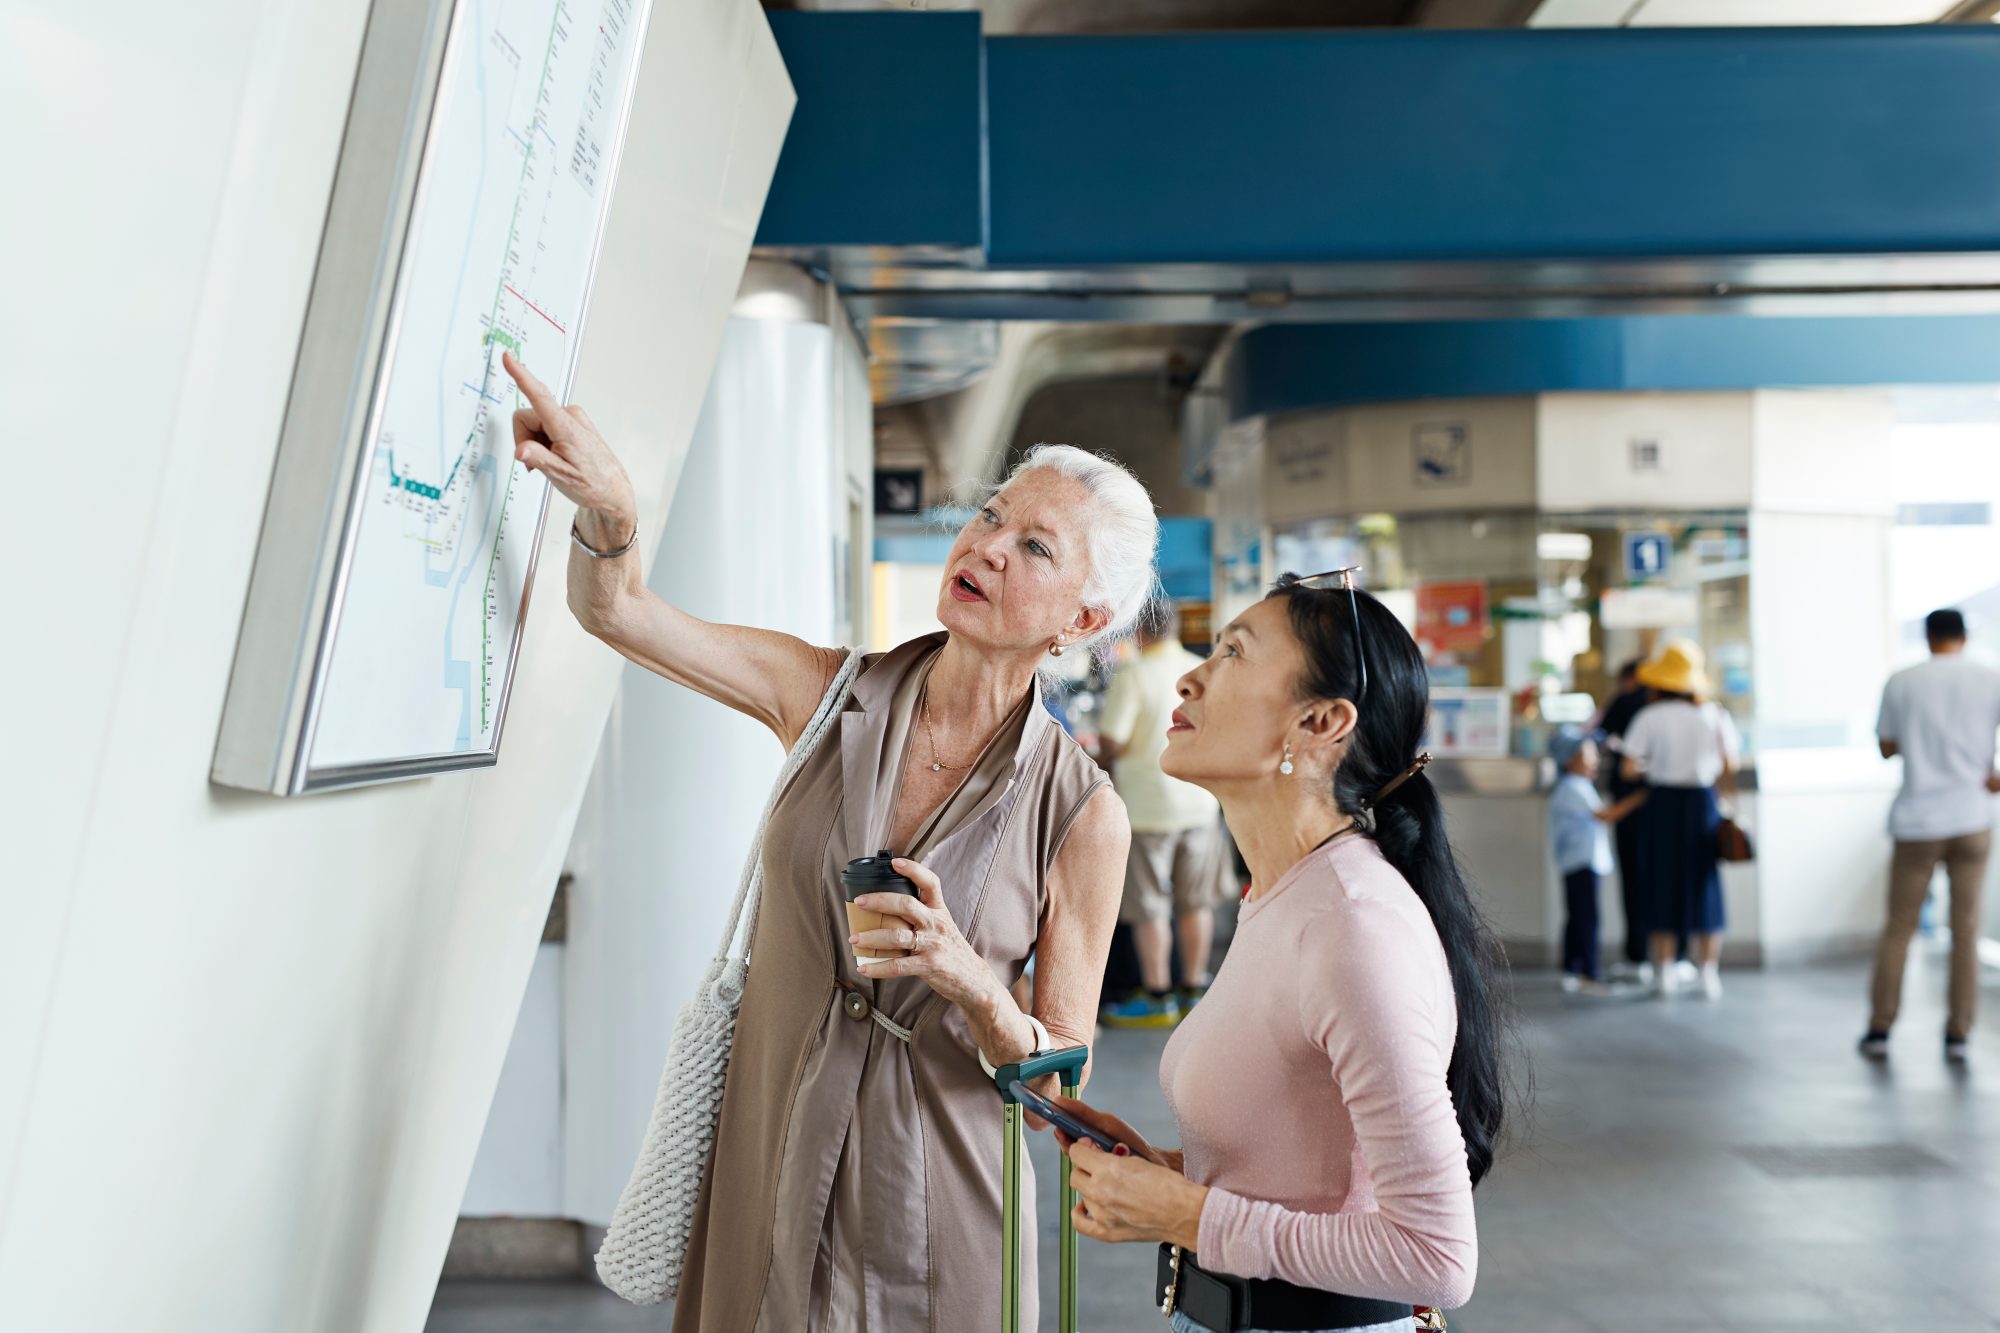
(517, 136)
(483, 394)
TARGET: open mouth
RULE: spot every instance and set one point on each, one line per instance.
(965, 590)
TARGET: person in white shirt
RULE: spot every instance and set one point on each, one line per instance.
(1940, 716)
(1684, 749)
(1178, 871)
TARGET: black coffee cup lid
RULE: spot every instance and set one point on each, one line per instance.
(876, 874)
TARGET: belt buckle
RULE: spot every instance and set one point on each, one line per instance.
(1430, 1321)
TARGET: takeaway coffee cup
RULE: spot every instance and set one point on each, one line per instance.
(872, 874)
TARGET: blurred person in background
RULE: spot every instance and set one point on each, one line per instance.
(1684, 748)
(1612, 724)
(1940, 716)
(1178, 869)
(1579, 835)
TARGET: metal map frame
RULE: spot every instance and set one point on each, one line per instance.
(298, 585)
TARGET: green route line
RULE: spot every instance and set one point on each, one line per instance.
(492, 324)
(486, 616)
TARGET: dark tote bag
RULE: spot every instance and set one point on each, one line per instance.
(1732, 843)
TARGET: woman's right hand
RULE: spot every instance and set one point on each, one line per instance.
(1116, 1128)
(563, 445)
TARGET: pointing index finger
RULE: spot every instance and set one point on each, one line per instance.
(537, 393)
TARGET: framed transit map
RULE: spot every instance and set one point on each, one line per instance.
(384, 618)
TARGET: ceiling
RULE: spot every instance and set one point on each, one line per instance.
(940, 334)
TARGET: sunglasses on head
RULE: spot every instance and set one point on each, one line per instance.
(1321, 583)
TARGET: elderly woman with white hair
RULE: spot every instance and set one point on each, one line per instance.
(855, 1182)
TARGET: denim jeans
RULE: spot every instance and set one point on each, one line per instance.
(1183, 1324)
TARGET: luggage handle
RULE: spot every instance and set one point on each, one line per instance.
(1069, 1063)
(1014, 1237)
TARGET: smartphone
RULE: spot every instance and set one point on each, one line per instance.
(1064, 1121)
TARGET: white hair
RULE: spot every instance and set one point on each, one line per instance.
(1120, 529)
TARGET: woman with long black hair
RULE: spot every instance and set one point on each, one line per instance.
(1339, 1092)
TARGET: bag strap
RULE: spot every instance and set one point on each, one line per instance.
(750, 887)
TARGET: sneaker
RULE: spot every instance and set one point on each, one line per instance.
(1955, 1049)
(1666, 980)
(1575, 983)
(1875, 1044)
(1143, 1011)
(1711, 982)
(1687, 973)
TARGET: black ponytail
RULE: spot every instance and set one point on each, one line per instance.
(1407, 823)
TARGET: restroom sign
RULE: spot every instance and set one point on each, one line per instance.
(1647, 555)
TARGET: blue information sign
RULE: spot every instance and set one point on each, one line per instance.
(1647, 555)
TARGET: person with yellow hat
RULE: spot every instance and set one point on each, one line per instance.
(1683, 748)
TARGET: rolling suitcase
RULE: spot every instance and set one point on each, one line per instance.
(1069, 1064)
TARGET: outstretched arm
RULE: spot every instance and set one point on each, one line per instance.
(773, 677)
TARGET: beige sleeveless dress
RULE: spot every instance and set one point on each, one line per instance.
(855, 1183)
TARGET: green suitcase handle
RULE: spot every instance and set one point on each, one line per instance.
(1014, 1237)
(1069, 1063)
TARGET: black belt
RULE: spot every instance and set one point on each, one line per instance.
(1224, 1303)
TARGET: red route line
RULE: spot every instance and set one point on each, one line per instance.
(537, 309)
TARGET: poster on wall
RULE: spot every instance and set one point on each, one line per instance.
(1650, 607)
(1441, 453)
(400, 536)
(1467, 723)
(1451, 617)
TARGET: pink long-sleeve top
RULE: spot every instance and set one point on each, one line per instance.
(1309, 1088)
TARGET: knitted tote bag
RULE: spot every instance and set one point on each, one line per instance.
(644, 1249)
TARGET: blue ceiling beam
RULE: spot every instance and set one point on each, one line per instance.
(1344, 146)
(887, 145)
(1298, 367)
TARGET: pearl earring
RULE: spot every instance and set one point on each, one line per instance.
(1055, 649)
(1285, 767)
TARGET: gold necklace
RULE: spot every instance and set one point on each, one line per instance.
(938, 765)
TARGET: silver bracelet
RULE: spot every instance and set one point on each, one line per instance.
(589, 550)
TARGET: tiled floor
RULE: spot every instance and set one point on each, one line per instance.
(1635, 1201)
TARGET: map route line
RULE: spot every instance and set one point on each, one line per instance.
(398, 481)
(538, 310)
(451, 536)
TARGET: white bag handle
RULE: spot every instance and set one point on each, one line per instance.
(750, 888)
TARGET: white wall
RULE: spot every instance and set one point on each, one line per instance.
(1585, 461)
(1363, 459)
(518, 1169)
(250, 1043)
(1822, 630)
(1824, 451)
(674, 801)
(1243, 559)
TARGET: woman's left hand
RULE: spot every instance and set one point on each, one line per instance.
(935, 950)
(1130, 1198)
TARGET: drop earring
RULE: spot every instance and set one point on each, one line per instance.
(1285, 765)
(1055, 649)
